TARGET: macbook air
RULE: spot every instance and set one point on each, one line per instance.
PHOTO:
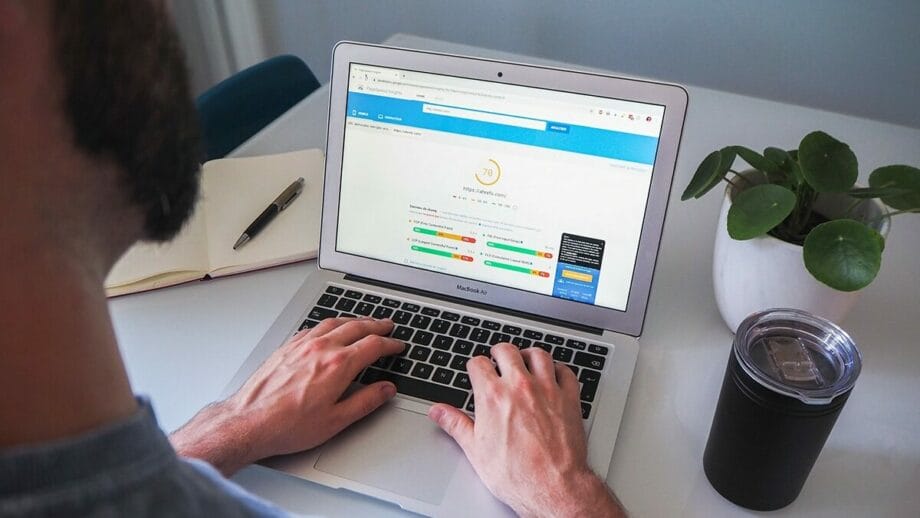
(475, 202)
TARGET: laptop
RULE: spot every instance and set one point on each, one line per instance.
(474, 202)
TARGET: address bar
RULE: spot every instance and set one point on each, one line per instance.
(508, 120)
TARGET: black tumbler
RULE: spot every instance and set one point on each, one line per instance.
(788, 376)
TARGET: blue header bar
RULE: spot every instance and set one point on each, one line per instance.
(507, 128)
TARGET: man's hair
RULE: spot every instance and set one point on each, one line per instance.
(126, 96)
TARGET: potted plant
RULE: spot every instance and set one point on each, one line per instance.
(795, 230)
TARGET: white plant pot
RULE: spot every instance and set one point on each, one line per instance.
(766, 272)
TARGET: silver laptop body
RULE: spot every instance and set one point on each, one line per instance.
(495, 200)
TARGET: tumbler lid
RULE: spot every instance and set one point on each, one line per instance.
(797, 354)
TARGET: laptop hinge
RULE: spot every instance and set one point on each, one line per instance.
(520, 314)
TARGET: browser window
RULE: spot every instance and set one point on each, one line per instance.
(539, 190)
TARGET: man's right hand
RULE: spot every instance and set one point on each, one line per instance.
(527, 443)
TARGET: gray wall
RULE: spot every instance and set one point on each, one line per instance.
(850, 56)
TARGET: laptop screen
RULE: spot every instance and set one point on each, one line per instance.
(533, 189)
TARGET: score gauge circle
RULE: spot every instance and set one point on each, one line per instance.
(490, 174)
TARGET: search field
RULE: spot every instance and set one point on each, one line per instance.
(508, 120)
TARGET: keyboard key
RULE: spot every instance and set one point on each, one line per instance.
(562, 354)
(408, 306)
(463, 347)
(546, 347)
(402, 317)
(440, 326)
(521, 343)
(511, 330)
(327, 300)
(322, 314)
(471, 406)
(373, 299)
(533, 335)
(347, 315)
(364, 309)
(335, 290)
(422, 370)
(402, 333)
(588, 390)
(576, 344)
(382, 312)
(440, 358)
(470, 321)
(401, 365)
(553, 339)
(482, 350)
(589, 360)
(498, 338)
(352, 294)
(443, 376)
(420, 353)
(589, 376)
(442, 342)
(460, 331)
(345, 305)
(480, 335)
(598, 349)
(383, 362)
(431, 312)
(459, 363)
(585, 410)
(422, 337)
(493, 326)
(417, 388)
(391, 303)
(447, 315)
(420, 322)
(463, 381)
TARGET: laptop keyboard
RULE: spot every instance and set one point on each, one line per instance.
(440, 342)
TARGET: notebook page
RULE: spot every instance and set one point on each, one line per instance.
(239, 189)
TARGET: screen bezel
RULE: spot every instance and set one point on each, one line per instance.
(628, 321)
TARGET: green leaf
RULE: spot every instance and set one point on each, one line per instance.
(757, 210)
(898, 177)
(844, 254)
(827, 164)
(877, 192)
(756, 160)
(788, 168)
(705, 178)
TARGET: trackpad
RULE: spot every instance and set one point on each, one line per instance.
(396, 450)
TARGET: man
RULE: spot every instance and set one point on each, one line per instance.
(99, 145)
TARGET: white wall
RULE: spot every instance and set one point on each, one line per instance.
(854, 56)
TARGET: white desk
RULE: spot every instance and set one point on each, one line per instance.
(183, 344)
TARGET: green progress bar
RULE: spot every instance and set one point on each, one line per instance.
(421, 230)
(432, 251)
(511, 248)
(511, 267)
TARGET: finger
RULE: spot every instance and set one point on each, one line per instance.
(482, 372)
(567, 380)
(327, 325)
(355, 330)
(457, 424)
(364, 401)
(366, 350)
(509, 360)
(540, 364)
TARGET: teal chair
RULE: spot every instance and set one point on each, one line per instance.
(239, 106)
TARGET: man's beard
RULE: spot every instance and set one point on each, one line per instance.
(126, 95)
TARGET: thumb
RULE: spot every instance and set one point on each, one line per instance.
(364, 401)
(457, 424)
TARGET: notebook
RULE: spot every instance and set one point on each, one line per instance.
(476, 202)
(233, 192)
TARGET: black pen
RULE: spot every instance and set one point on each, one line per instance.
(281, 202)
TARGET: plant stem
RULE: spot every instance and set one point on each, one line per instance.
(727, 179)
(739, 175)
(856, 203)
